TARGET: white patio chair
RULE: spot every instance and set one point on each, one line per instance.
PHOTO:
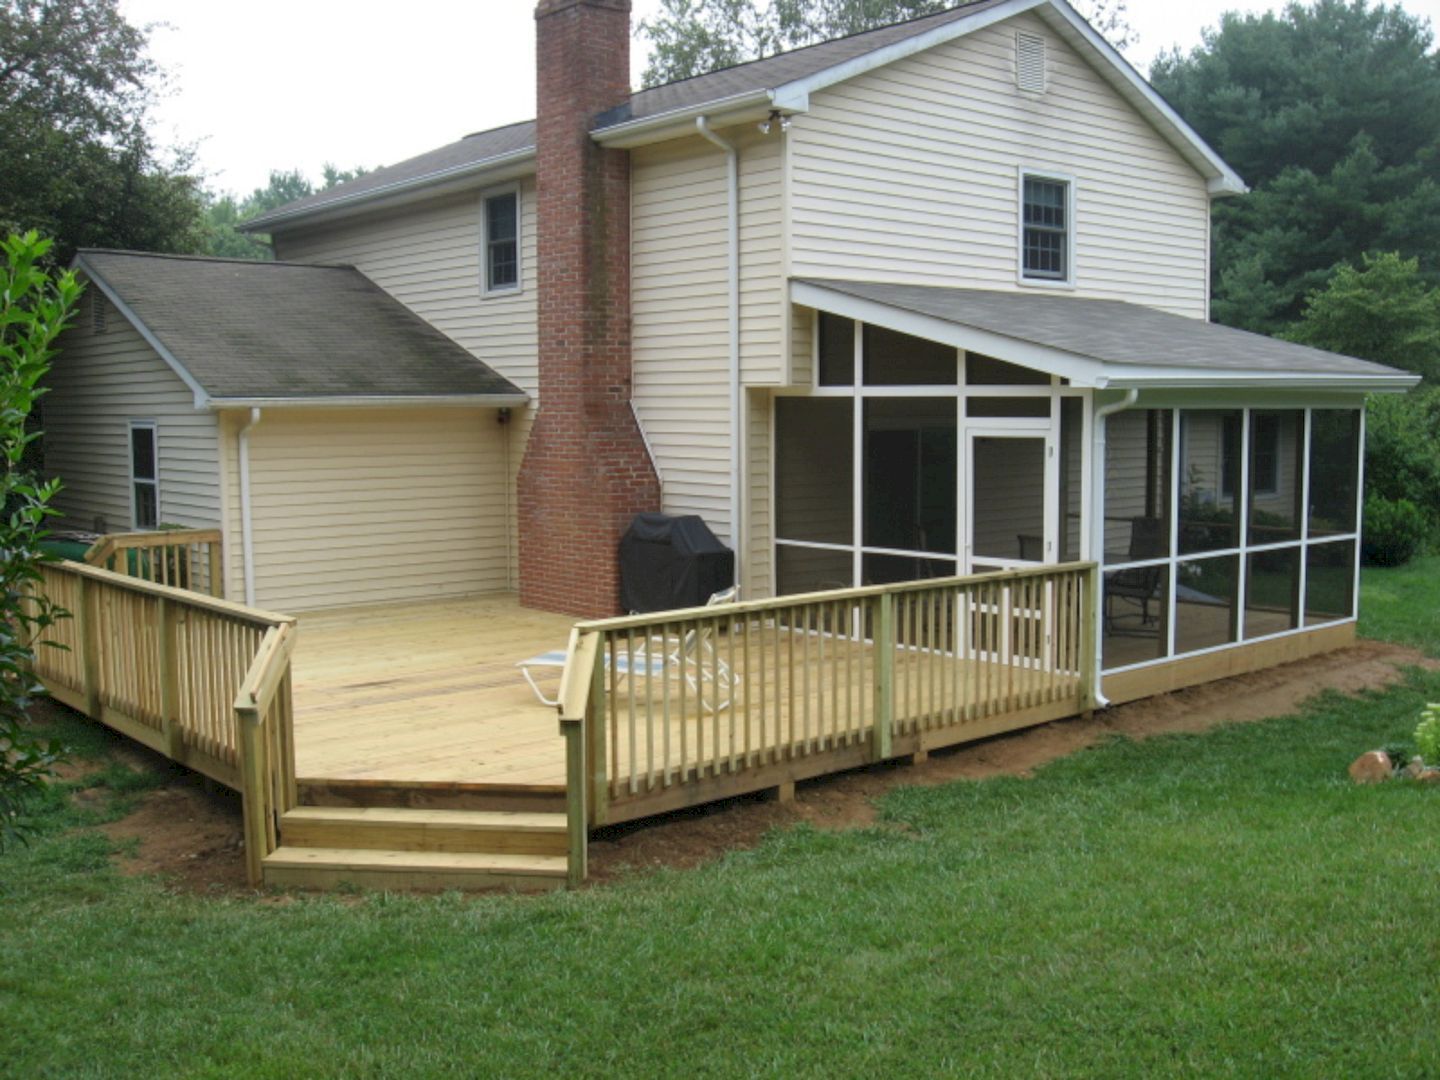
(693, 655)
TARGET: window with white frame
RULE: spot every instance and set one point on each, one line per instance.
(1046, 228)
(144, 475)
(500, 242)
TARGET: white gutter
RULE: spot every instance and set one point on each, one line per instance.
(642, 129)
(732, 178)
(247, 529)
(379, 401)
(1097, 521)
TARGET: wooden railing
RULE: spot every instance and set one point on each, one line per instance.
(201, 680)
(668, 710)
(185, 558)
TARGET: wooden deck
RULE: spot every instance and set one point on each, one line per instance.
(427, 694)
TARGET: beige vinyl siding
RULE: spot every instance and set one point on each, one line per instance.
(98, 384)
(373, 506)
(910, 174)
(680, 306)
(427, 255)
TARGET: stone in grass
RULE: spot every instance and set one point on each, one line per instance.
(1430, 776)
(1371, 768)
(1415, 769)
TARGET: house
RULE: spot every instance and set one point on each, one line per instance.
(924, 301)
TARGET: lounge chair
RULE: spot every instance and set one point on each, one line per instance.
(693, 655)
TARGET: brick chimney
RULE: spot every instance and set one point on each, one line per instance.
(586, 470)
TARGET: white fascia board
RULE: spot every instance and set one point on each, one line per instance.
(661, 126)
(1080, 370)
(378, 401)
(1222, 180)
(489, 170)
(201, 397)
(796, 95)
(1134, 376)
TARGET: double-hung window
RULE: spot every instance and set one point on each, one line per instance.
(1046, 228)
(500, 242)
(144, 475)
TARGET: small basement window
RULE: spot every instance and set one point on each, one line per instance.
(500, 241)
(1046, 228)
(144, 475)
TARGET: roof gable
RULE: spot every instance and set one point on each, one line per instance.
(241, 332)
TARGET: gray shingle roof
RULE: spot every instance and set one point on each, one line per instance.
(250, 330)
(474, 151)
(1109, 331)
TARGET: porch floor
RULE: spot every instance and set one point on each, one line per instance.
(427, 693)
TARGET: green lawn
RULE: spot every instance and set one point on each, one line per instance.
(1225, 903)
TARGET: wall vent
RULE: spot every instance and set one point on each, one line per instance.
(97, 311)
(1030, 62)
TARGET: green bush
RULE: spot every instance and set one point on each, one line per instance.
(1394, 531)
(1402, 452)
(1427, 735)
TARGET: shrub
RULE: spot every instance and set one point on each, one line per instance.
(1427, 735)
(1393, 531)
(1402, 453)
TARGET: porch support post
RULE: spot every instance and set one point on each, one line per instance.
(596, 721)
(884, 674)
(577, 825)
(1090, 651)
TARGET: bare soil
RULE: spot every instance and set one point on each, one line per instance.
(189, 830)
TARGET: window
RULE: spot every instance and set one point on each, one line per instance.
(144, 475)
(500, 242)
(1045, 234)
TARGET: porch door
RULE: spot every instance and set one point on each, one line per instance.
(1012, 482)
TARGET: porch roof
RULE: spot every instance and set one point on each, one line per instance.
(1096, 343)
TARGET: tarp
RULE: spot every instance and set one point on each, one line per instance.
(671, 562)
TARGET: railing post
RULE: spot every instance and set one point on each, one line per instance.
(217, 573)
(884, 674)
(88, 634)
(596, 717)
(1090, 639)
(259, 824)
(169, 681)
(577, 824)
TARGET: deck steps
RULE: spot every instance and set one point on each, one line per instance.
(323, 847)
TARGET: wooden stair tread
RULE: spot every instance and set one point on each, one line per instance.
(463, 862)
(498, 820)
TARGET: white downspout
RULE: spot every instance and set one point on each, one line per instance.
(1097, 518)
(247, 531)
(737, 490)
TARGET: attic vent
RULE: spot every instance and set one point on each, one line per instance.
(98, 310)
(1030, 62)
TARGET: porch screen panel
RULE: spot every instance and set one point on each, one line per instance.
(1272, 592)
(1137, 485)
(910, 474)
(1072, 422)
(1008, 475)
(1329, 581)
(1136, 615)
(814, 470)
(982, 370)
(1209, 518)
(1205, 596)
(802, 569)
(837, 350)
(895, 359)
(1334, 470)
(1277, 470)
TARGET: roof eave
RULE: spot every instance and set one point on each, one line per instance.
(755, 104)
(496, 168)
(375, 401)
(1118, 378)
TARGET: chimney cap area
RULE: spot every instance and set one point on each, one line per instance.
(553, 7)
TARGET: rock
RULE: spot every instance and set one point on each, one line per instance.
(1414, 770)
(1371, 768)
(1430, 776)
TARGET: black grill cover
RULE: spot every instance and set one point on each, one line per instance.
(671, 562)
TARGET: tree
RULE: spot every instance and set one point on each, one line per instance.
(1331, 112)
(76, 160)
(225, 213)
(692, 37)
(34, 307)
(1383, 311)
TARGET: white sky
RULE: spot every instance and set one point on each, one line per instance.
(283, 84)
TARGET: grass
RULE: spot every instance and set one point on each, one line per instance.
(1215, 904)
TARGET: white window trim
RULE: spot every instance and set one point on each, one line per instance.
(1072, 202)
(485, 197)
(154, 429)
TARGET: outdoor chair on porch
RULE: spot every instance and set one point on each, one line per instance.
(1138, 585)
(691, 655)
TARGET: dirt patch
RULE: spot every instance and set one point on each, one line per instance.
(692, 837)
(189, 830)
